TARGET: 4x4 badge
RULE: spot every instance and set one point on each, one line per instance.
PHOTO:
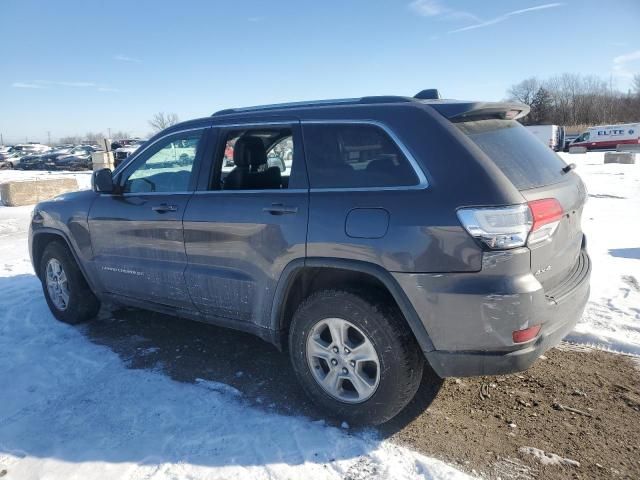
(543, 270)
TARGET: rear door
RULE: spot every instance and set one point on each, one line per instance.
(136, 234)
(537, 172)
(241, 234)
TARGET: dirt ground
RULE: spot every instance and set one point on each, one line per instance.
(580, 404)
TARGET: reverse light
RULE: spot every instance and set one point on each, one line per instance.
(514, 226)
(521, 336)
(498, 227)
(546, 214)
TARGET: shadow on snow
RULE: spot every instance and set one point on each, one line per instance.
(170, 403)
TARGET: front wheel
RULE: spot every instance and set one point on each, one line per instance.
(355, 357)
(67, 293)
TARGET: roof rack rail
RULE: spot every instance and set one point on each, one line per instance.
(317, 103)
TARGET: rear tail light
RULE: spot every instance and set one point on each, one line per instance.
(498, 228)
(509, 227)
(546, 218)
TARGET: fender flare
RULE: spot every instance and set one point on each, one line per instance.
(290, 271)
(62, 235)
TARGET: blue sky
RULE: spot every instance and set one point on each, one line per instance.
(69, 67)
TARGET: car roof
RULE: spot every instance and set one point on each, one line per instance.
(455, 110)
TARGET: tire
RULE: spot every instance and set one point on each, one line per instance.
(81, 304)
(390, 385)
(9, 166)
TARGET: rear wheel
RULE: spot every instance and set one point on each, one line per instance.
(66, 291)
(354, 356)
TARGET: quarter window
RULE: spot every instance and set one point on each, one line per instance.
(168, 169)
(355, 156)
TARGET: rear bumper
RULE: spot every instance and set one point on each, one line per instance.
(471, 328)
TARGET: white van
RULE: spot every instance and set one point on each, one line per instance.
(607, 137)
(551, 135)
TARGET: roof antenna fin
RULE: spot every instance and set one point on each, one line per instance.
(429, 94)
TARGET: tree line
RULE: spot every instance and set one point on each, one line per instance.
(572, 99)
(158, 122)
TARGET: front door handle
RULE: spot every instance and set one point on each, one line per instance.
(164, 208)
(280, 209)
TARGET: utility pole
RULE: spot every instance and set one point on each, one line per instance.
(109, 132)
(48, 137)
(1, 139)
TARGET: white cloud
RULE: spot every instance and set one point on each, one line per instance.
(72, 84)
(433, 8)
(26, 85)
(126, 58)
(627, 57)
(506, 16)
(254, 19)
(620, 62)
(76, 84)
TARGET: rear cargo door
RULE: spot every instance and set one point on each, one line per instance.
(538, 173)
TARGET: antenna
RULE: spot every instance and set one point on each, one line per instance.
(428, 94)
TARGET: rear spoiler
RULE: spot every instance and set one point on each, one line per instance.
(469, 111)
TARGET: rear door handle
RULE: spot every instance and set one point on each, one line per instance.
(164, 208)
(280, 209)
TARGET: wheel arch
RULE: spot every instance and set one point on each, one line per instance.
(41, 238)
(297, 282)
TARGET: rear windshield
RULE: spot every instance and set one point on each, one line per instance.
(524, 159)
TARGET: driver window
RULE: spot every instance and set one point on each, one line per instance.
(168, 169)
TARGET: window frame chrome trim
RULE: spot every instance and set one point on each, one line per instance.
(263, 190)
(422, 184)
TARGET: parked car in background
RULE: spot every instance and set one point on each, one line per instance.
(43, 161)
(608, 137)
(408, 236)
(551, 135)
(9, 159)
(568, 139)
(78, 158)
(129, 147)
(17, 152)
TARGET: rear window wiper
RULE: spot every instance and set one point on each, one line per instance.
(568, 168)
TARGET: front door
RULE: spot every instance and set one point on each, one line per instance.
(136, 233)
(248, 222)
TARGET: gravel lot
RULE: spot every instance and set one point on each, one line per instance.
(578, 403)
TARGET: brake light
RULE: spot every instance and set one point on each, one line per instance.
(546, 214)
(513, 226)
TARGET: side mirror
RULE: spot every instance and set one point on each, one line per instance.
(102, 181)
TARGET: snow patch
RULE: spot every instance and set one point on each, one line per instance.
(547, 458)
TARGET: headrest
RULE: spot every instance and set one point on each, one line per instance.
(249, 152)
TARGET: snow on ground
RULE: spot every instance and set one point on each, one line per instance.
(70, 409)
(611, 222)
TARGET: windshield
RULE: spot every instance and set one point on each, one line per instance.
(524, 159)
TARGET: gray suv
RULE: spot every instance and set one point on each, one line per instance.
(403, 235)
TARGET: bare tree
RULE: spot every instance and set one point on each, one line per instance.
(525, 91)
(121, 135)
(92, 137)
(160, 121)
(636, 83)
(572, 99)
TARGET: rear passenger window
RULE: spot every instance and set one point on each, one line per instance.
(354, 156)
